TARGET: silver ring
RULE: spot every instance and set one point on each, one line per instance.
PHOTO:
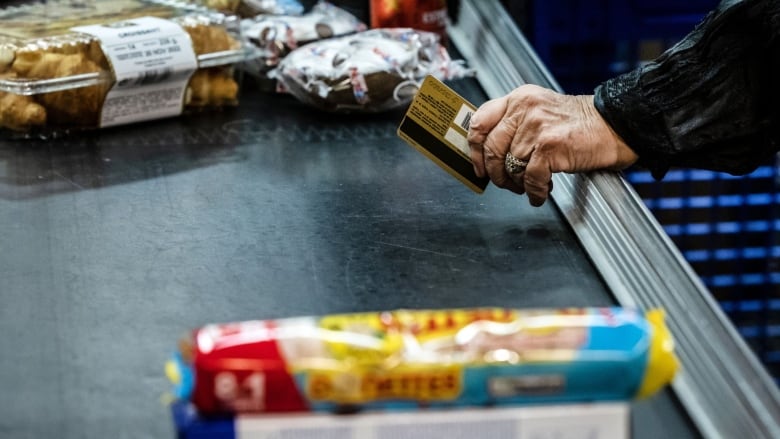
(514, 165)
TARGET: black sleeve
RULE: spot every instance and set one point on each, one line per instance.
(709, 102)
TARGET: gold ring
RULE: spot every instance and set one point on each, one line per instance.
(514, 165)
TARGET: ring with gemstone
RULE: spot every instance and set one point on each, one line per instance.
(514, 165)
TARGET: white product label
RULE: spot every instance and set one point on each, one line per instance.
(568, 421)
(153, 61)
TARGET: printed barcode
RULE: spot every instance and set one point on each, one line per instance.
(147, 77)
(152, 76)
(466, 120)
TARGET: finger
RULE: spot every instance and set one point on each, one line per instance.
(496, 147)
(477, 159)
(537, 180)
(518, 177)
(507, 182)
(482, 122)
(515, 168)
(523, 138)
(521, 145)
(504, 179)
(485, 119)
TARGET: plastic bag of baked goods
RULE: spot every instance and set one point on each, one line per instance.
(371, 71)
(277, 35)
(430, 358)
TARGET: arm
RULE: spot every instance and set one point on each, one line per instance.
(709, 102)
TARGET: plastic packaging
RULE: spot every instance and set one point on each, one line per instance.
(251, 8)
(69, 66)
(372, 71)
(277, 35)
(431, 358)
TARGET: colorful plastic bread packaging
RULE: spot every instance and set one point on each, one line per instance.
(424, 358)
(371, 71)
(277, 35)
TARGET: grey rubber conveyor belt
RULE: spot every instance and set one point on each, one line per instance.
(116, 243)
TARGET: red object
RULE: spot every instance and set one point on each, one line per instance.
(425, 15)
(233, 374)
(386, 13)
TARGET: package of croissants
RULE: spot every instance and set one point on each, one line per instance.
(68, 66)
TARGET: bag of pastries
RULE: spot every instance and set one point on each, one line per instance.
(277, 35)
(371, 71)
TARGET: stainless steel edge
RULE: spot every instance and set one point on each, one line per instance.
(724, 388)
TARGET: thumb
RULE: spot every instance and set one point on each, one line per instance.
(482, 122)
(485, 118)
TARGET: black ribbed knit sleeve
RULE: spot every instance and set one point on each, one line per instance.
(709, 102)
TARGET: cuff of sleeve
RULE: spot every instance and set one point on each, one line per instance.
(635, 120)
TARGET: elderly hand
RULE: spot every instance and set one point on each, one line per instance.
(550, 131)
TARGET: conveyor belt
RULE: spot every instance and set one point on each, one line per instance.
(116, 243)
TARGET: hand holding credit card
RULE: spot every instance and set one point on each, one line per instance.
(436, 124)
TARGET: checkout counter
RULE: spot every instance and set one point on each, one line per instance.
(117, 242)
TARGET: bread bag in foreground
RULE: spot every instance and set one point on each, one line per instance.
(424, 358)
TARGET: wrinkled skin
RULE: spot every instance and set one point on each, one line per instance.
(552, 131)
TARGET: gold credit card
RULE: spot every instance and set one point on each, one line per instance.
(436, 124)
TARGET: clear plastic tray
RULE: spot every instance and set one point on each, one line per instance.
(55, 78)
